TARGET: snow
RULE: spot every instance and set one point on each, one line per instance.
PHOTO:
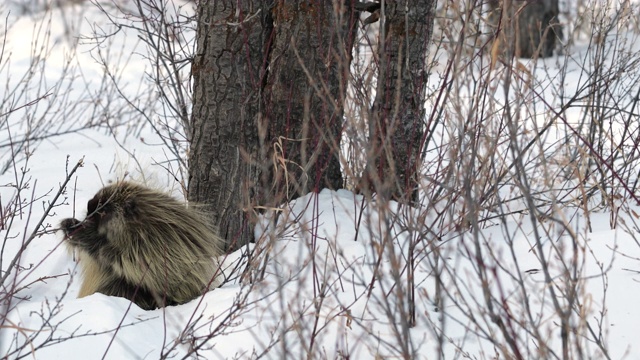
(334, 283)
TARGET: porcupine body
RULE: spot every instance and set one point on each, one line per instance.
(143, 245)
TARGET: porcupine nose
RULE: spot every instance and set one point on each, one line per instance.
(69, 225)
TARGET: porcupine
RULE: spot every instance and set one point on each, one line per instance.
(144, 245)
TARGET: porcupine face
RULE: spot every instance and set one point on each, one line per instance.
(110, 214)
(85, 234)
(91, 233)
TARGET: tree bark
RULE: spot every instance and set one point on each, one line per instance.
(269, 87)
(305, 92)
(396, 127)
(526, 28)
(224, 164)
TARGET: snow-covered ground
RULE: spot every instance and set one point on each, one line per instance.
(335, 282)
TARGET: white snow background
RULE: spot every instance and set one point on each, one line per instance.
(315, 299)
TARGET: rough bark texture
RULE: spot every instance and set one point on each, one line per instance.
(304, 95)
(526, 28)
(396, 128)
(269, 85)
(224, 171)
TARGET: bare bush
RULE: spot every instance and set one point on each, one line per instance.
(166, 30)
(48, 92)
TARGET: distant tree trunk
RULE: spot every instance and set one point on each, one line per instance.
(305, 92)
(396, 127)
(224, 168)
(269, 85)
(526, 28)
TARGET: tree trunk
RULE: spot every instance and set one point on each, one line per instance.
(304, 95)
(396, 127)
(526, 28)
(269, 86)
(224, 168)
